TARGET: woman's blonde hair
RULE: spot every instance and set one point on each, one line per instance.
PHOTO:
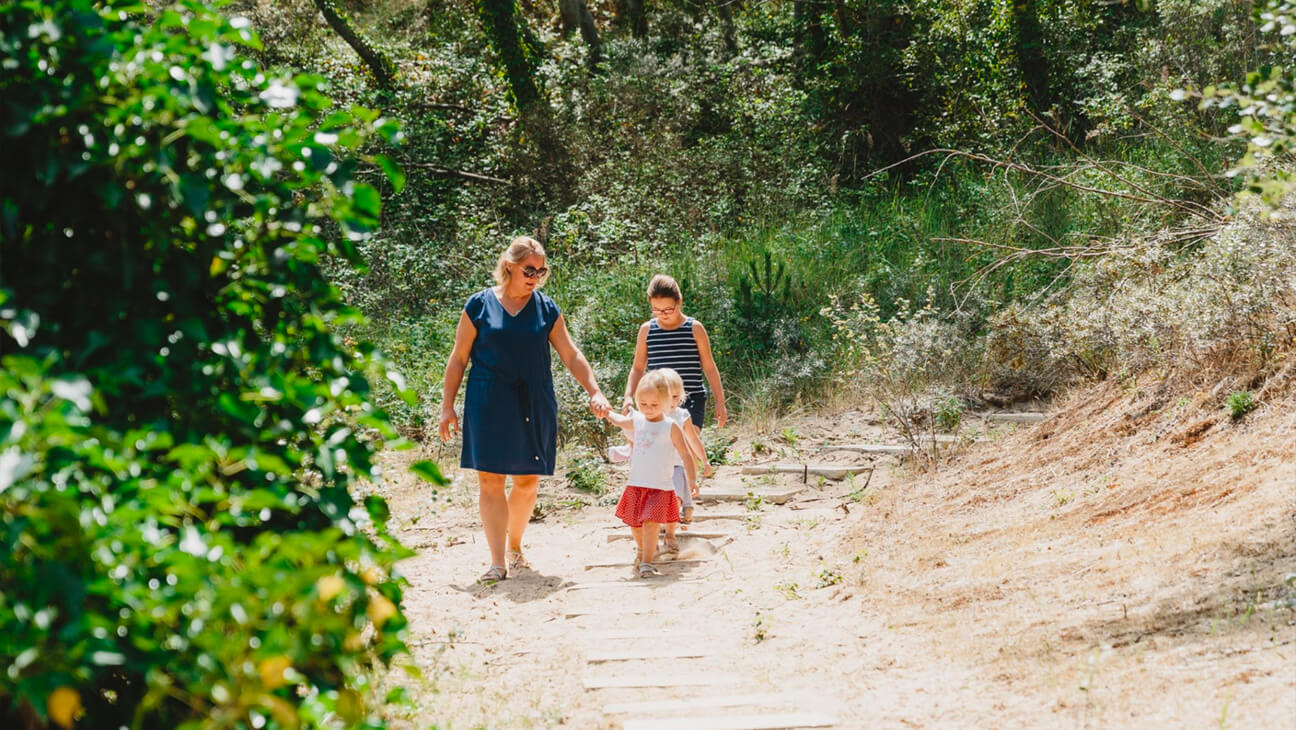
(653, 380)
(518, 249)
(673, 379)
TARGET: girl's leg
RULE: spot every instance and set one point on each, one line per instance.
(521, 503)
(637, 533)
(494, 507)
(670, 527)
(648, 541)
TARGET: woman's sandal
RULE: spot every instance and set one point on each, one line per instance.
(516, 561)
(672, 547)
(496, 574)
(646, 570)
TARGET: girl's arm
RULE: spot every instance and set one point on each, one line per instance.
(579, 367)
(682, 448)
(637, 368)
(457, 363)
(625, 423)
(695, 445)
(712, 372)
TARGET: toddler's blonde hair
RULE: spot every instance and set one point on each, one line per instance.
(653, 380)
(673, 379)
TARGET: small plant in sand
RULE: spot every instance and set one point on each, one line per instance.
(790, 436)
(585, 473)
(760, 627)
(1240, 403)
(718, 451)
(828, 576)
(789, 590)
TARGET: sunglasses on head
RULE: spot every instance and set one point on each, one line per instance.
(532, 272)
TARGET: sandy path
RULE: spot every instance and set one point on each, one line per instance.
(924, 601)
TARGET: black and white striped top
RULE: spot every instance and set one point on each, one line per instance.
(676, 349)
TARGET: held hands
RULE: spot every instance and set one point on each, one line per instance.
(449, 422)
(599, 405)
(626, 404)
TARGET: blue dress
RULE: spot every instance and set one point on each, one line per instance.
(510, 421)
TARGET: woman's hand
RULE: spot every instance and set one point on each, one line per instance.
(599, 405)
(721, 415)
(626, 404)
(449, 422)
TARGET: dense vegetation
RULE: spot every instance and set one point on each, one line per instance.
(207, 216)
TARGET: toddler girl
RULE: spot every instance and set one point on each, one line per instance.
(649, 497)
(681, 416)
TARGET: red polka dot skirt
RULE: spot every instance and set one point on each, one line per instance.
(640, 504)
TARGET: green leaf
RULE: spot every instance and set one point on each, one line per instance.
(428, 471)
(393, 171)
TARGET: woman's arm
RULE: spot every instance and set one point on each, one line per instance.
(579, 367)
(712, 372)
(456, 365)
(637, 368)
(682, 448)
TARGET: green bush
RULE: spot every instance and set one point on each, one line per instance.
(1240, 403)
(183, 433)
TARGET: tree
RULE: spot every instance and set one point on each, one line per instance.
(504, 29)
(381, 66)
(575, 14)
(182, 426)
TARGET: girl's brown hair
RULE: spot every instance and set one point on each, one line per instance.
(664, 285)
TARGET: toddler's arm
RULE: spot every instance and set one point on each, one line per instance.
(625, 423)
(682, 448)
(695, 445)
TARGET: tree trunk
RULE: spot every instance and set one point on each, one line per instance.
(575, 14)
(727, 27)
(631, 13)
(810, 42)
(381, 66)
(500, 21)
(1031, 61)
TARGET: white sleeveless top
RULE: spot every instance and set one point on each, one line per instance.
(651, 464)
(681, 417)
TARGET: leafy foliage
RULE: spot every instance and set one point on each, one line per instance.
(1266, 103)
(184, 436)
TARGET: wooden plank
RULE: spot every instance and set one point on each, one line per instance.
(739, 492)
(630, 564)
(671, 679)
(610, 610)
(627, 583)
(700, 516)
(659, 652)
(831, 471)
(606, 635)
(897, 449)
(774, 721)
(690, 704)
(1018, 417)
(680, 534)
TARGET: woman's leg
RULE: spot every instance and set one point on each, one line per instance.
(521, 503)
(494, 506)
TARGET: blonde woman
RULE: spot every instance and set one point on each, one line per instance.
(510, 413)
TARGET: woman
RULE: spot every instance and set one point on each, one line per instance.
(510, 425)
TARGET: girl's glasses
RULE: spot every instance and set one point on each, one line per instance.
(664, 312)
(532, 272)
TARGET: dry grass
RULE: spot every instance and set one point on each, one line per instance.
(1123, 562)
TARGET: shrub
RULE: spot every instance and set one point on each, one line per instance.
(1240, 403)
(183, 433)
